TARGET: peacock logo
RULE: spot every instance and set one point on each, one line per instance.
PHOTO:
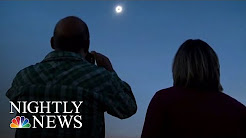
(20, 122)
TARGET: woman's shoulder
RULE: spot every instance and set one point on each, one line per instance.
(167, 95)
(230, 101)
(170, 91)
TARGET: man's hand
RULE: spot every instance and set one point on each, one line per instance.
(102, 61)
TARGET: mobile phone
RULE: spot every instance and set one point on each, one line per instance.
(90, 58)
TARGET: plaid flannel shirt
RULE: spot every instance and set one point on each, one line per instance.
(67, 76)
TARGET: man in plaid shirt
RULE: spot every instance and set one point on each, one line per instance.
(66, 74)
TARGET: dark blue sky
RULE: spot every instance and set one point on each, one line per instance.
(141, 43)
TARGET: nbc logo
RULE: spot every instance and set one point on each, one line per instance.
(20, 122)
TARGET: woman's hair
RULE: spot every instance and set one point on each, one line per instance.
(196, 65)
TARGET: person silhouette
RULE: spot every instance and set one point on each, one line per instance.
(195, 105)
(68, 73)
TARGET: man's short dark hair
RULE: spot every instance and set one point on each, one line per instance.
(196, 65)
(74, 41)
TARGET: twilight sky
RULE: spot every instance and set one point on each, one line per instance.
(140, 42)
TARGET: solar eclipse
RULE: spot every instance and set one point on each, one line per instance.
(118, 9)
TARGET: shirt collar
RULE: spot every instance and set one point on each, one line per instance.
(62, 55)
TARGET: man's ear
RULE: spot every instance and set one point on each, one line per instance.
(86, 45)
(52, 42)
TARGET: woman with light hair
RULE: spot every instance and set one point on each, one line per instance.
(195, 106)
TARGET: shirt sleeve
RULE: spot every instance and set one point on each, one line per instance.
(119, 100)
(154, 120)
(12, 92)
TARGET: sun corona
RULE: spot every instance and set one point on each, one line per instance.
(118, 9)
